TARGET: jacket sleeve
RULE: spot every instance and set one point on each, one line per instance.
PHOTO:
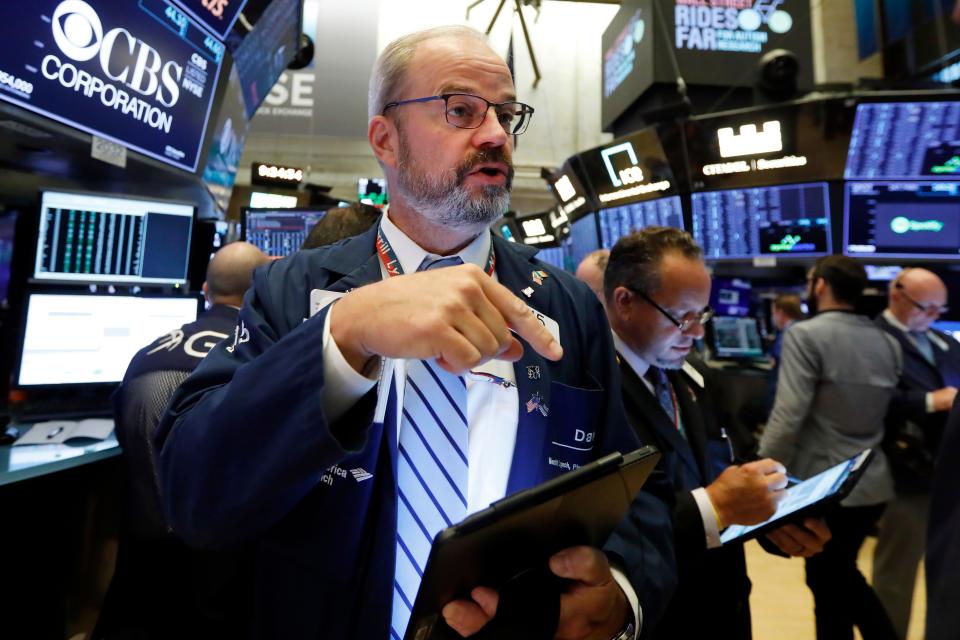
(245, 438)
(642, 544)
(797, 383)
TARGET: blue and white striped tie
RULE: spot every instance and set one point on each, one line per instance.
(431, 472)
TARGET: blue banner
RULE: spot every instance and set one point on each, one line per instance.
(141, 74)
(217, 15)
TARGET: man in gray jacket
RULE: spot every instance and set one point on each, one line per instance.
(838, 372)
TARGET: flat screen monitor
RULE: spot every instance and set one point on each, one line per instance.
(279, 232)
(373, 191)
(731, 297)
(263, 200)
(619, 221)
(8, 223)
(583, 238)
(784, 221)
(264, 53)
(736, 338)
(90, 339)
(91, 238)
(905, 141)
(950, 327)
(902, 220)
(555, 256)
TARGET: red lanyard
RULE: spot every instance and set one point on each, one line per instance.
(390, 262)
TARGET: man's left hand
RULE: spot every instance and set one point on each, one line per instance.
(805, 541)
(592, 608)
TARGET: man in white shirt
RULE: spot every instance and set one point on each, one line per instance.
(320, 414)
(657, 290)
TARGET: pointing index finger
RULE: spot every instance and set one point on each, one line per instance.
(520, 319)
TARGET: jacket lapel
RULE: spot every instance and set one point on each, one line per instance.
(651, 412)
(692, 421)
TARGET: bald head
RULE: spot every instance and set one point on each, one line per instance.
(230, 272)
(916, 297)
(591, 271)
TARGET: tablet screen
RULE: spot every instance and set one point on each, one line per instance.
(823, 485)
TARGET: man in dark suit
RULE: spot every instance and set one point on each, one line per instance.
(914, 427)
(943, 552)
(312, 431)
(657, 289)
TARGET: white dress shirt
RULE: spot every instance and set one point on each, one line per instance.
(708, 513)
(492, 410)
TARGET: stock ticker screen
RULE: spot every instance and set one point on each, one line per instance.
(784, 221)
(279, 232)
(583, 238)
(89, 238)
(902, 219)
(619, 221)
(905, 140)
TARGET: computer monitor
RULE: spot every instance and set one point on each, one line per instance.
(8, 223)
(555, 256)
(373, 191)
(731, 297)
(736, 338)
(905, 140)
(75, 339)
(783, 220)
(620, 221)
(90, 238)
(279, 232)
(950, 327)
(264, 200)
(902, 220)
(583, 238)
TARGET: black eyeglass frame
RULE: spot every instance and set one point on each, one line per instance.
(928, 310)
(526, 111)
(704, 316)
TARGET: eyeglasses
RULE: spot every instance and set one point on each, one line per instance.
(684, 324)
(928, 309)
(467, 111)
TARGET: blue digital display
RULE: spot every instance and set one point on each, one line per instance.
(784, 221)
(620, 221)
(279, 232)
(216, 15)
(731, 297)
(140, 74)
(583, 238)
(555, 256)
(8, 222)
(905, 140)
(902, 219)
(264, 53)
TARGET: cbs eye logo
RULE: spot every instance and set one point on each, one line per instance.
(77, 30)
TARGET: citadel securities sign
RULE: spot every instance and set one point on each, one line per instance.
(141, 74)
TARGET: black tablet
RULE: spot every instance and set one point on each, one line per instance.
(811, 497)
(523, 530)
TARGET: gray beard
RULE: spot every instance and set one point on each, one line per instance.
(443, 199)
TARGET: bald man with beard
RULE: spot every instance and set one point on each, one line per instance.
(918, 413)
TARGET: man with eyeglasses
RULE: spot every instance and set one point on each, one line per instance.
(657, 288)
(914, 428)
(379, 390)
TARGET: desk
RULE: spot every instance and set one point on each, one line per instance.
(33, 460)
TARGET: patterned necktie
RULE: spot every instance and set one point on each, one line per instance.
(923, 344)
(664, 394)
(431, 469)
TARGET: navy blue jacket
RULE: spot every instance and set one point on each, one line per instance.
(943, 532)
(713, 590)
(918, 432)
(247, 454)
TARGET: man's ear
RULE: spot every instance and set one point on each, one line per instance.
(622, 300)
(383, 136)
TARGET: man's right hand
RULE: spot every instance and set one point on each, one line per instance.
(749, 493)
(943, 398)
(457, 315)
